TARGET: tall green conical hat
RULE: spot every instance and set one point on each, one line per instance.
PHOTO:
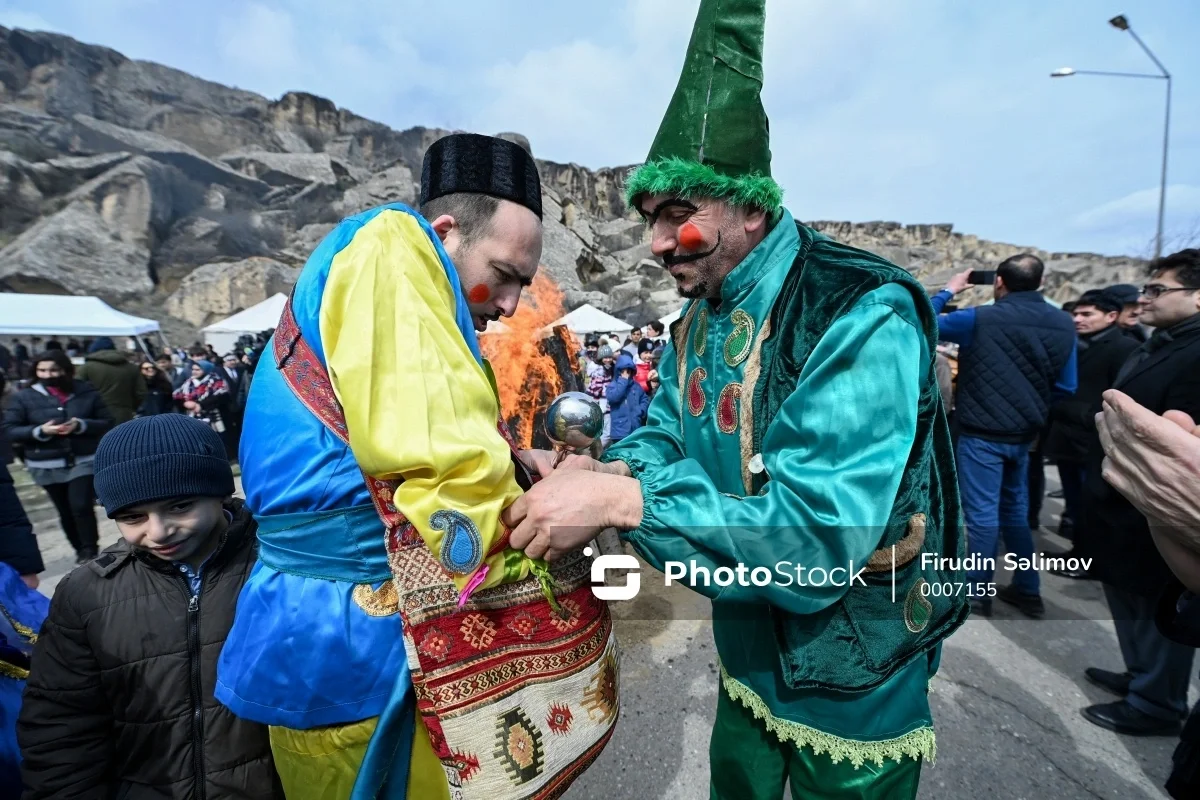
(714, 141)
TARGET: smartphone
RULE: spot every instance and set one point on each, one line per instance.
(982, 277)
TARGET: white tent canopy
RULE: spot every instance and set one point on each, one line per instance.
(257, 318)
(66, 315)
(669, 318)
(589, 319)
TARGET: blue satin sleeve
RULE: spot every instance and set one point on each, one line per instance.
(835, 454)
(290, 461)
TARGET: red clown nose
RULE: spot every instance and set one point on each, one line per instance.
(690, 236)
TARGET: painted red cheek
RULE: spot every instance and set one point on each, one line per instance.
(479, 294)
(690, 236)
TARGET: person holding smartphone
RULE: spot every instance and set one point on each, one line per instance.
(59, 420)
(1016, 358)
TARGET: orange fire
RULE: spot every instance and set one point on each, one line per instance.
(526, 376)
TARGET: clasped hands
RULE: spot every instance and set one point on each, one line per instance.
(1155, 463)
(573, 502)
(64, 428)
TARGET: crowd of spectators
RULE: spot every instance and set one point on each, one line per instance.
(59, 400)
(623, 377)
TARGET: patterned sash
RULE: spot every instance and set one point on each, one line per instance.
(518, 700)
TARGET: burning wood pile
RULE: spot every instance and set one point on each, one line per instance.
(533, 362)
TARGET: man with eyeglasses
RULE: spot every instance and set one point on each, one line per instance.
(1162, 375)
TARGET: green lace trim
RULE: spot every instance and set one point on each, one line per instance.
(914, 744)
(689, 179)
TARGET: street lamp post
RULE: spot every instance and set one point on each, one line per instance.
(1121, 23)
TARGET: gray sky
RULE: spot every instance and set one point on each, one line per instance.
(911, 110)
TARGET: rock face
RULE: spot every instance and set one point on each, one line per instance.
(216, 291)
(393, 185)
(934, 252)
(100, 241)
(179, 198)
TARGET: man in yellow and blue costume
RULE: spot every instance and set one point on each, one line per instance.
(390, 303)
(798, 422)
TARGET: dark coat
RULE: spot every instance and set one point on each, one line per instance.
(1114, 532)
(6, 448)
(627, 403)
(1007, 374)
(159, 397)
(119, 382)
(1137, 333)
(233, 407)
(1178, 619)
(18, 545)
(243, 391)
(32, 407)
(122, 665)
(1072, 419)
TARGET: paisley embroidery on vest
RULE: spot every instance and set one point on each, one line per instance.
(741, 339)
(696, 398)
(462, 546)
(700, 338)
(381, 602)
(917, 609)
(727, 412)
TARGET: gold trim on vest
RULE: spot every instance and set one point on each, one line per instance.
(700, 339)
(749, 379)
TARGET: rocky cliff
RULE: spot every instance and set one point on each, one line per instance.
(183, 199)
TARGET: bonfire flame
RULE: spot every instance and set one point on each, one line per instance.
(527, 376)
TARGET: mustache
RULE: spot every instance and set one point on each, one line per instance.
(672, 259)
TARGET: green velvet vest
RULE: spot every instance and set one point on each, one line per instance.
(865, 637)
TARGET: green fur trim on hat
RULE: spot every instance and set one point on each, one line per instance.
(691, 179)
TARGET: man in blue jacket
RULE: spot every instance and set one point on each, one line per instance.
(1015, 357)
(627, 401)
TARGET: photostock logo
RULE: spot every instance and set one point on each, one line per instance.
(603, 563)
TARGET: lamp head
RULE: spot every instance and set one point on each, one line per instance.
(1062, 72)
(1119, 22)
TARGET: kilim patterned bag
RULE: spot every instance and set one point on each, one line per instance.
(518, 699)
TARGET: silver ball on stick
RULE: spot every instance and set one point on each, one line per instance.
(573, 422)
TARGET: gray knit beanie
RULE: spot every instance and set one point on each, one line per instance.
(158, 457)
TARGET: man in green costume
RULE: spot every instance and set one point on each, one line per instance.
(798, 423)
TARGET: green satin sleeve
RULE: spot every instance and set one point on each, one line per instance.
(659, 442)
(835, 453)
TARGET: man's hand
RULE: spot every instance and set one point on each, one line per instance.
(1155, 462)
(540, 462)
(960, 281)
(568, 509)
(589, 464)
(52, 429)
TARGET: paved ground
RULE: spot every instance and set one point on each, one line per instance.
(1006, 701)
(1006, 704)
